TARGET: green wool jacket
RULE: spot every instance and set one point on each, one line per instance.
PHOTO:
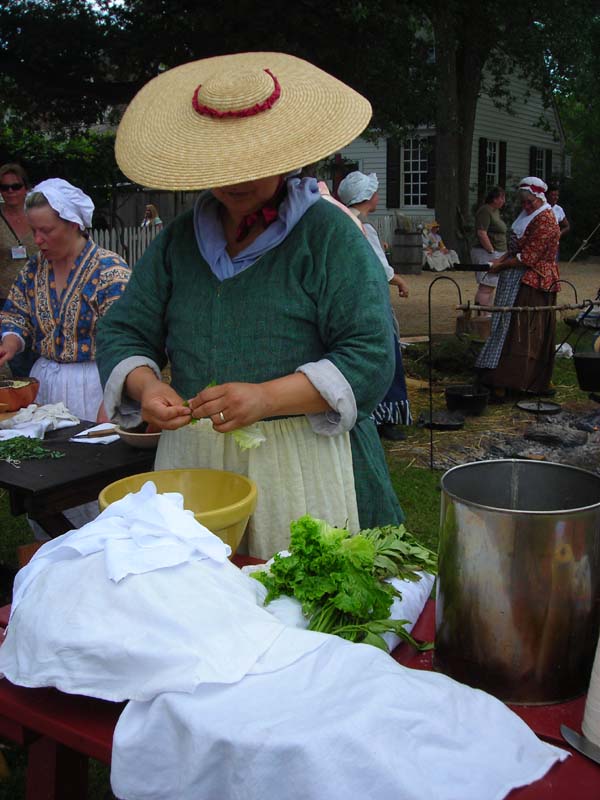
(321, 293)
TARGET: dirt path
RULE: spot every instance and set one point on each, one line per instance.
(412, 313)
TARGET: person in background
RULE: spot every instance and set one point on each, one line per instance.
(437, 256)
(151, 218)
(267, 301)
(519, 354)
(16, 245)
(491, 243)
(54, 304)
(559, 213)
(359, 192)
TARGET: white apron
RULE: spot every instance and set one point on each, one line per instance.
(296, 470)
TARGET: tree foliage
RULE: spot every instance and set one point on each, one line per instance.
(70, 62)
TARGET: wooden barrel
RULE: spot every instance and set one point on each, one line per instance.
(407, 252)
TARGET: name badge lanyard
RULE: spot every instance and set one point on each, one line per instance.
(19, 251)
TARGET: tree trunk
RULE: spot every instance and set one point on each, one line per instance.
(455, 122)
(469, 72)
(447, 127)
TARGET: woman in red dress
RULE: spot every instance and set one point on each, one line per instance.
(519, 354)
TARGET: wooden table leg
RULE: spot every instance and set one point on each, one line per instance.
(54, 524)
(55, 772)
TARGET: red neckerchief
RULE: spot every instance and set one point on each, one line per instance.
(265, 215)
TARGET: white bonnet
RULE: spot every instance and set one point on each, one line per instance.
(534, 185)
(357, 187)
(69, 202)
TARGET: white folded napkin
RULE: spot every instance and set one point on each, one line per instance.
(81, 436)
(31, 430)
(53, 415)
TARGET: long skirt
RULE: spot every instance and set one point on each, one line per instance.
(394, 409)
(527, 359)
(78, 387)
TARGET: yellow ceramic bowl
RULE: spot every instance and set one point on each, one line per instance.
(222, 501)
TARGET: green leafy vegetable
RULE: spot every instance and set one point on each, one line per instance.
(340, 579)
(246, 438)
(21, 448)
(249, 437)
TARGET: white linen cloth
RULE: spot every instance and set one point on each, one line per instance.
(108, 439)
(227, 703)
(47, 417)
(343, 722)
(136, 596)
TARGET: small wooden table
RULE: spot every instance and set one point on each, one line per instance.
(45, 488)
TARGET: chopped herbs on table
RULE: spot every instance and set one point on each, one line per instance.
(341, 579)
(22, 448)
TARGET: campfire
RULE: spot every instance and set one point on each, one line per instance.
(570, 437)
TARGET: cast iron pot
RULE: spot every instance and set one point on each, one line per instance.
(587, 367)
(466, 397)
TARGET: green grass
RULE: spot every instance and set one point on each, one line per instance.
(419, 493)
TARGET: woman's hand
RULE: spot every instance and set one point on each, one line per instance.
(496, 266)
(396, 280)
(231, 405)
(163, 408)
(102, 416)
(11, 345)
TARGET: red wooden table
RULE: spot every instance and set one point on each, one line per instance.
(62, 731)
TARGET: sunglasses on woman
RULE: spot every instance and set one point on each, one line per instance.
(5, 187)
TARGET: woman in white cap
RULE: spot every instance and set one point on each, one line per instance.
(359, 192)
(265, 299)
(56, 300)
(518, 356)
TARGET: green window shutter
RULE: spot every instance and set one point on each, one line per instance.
(392, 175)
(532, 160)
(548, 165)
(502, 165)
(431, 172)
(482, 169)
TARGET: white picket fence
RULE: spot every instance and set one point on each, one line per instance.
(129, 243)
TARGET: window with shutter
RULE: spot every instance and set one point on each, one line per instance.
(392, 175)
(548, 166)
(415, 172)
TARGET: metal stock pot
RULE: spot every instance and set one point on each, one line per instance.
(518, 592)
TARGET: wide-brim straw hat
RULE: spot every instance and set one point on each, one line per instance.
(235, 118)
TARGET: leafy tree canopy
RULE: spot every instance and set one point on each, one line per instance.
(70, 62)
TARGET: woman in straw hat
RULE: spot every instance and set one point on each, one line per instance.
(268, 303)
(437, 256)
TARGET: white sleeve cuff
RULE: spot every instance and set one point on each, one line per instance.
(335, 389)
(19, 337)
(120, 408)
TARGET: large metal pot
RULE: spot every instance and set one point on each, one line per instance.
(518, 591)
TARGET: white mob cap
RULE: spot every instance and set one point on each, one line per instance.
(357, 187)
(69, 202)
(536, 186)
